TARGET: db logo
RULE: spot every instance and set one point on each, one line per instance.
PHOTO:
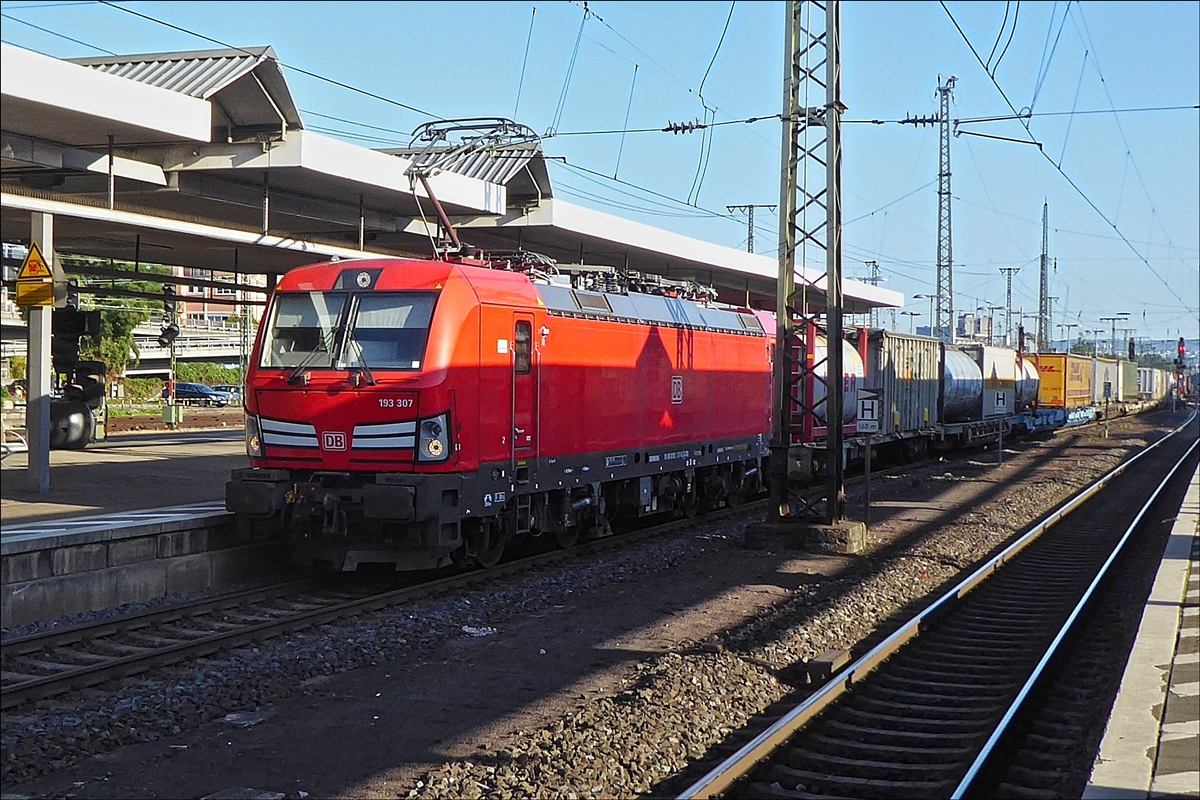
(333, 440)
(676, 389)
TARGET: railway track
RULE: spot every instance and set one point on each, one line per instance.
(924, 713)
(45, 664)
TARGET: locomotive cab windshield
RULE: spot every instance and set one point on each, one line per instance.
(339, 330)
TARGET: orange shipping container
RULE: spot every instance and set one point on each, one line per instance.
(1066, 380)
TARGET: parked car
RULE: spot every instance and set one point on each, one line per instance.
(198, 394)
(233, 390)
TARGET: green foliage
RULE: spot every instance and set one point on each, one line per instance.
(118, 315)
(139, 389)
(18, 367)
(1155, 360)
(1083, 348)
(209, 374)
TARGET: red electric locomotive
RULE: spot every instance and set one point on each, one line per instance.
(417, 412)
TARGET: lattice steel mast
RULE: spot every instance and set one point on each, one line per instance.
(944, 295)
(1043, 331)
(810, 183)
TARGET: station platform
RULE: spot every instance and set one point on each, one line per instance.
(1151, 747)
(126, 521)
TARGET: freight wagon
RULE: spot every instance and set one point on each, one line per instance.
(1065, 393)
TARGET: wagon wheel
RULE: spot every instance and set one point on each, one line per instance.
(690, 504)
(486, 543)
(567, 537)
(736, 494)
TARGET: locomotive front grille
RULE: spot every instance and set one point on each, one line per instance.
(288, 434)
(385, 436)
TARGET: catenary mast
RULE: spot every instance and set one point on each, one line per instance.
(944, 294)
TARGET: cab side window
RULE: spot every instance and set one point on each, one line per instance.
(522, 348)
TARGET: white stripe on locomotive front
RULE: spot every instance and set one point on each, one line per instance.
(289, 440)
(279, 426)
(385, 443)
(385, 429)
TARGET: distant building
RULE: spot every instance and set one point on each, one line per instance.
(974, 329)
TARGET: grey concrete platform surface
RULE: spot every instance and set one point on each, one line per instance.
(130, 471)
(156, 539)
(1151, 747)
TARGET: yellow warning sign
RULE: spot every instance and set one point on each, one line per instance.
(35, 293)
(34, 267)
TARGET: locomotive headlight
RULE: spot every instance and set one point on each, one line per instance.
(434, 440)
(254, 447)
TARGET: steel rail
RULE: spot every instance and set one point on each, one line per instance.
(736, 766)
(123, 666)
(58, 637)
(1053, 649)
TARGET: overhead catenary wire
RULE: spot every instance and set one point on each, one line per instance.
(524, 62)
(55, 33)
(566, 87)
(1091, 46)
(1033, 140)
(1046, 61)
(706, 136)
(1011, 35)
(625, 125)
(1071, 120)
(1000, 33)
(300, 70)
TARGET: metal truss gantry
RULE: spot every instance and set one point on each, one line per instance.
(809, 306)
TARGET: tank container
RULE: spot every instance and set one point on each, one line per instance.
(962, 386)
(1028, 382)
(852, 370)
(999, 368)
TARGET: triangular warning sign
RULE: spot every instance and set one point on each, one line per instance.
(34, 267)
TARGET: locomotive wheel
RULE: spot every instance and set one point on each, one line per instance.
(566, 538)
(690, 504)
(487, 544)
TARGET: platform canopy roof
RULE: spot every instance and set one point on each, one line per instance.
(212, 166)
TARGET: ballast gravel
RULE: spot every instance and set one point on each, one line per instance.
(669, 711)
(669, 717)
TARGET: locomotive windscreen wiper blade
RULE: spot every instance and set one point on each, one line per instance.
(323, 346)
(362, 361)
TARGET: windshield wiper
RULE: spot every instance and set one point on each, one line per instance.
(323, 346)
(364, 368)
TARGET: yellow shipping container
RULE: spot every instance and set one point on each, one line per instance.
(1066, 380)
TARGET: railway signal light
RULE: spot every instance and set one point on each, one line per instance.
(169, 334)
(1132, 349)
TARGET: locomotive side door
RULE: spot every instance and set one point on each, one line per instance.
(525, 389)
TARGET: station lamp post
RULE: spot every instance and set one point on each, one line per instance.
(1068, 326)
(1120, 317)
(931, 298)
(912, 315)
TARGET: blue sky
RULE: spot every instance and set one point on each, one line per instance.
(1142, 170)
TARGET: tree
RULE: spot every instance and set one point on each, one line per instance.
(1148, 359)
(119, 316)
(1083, 348)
